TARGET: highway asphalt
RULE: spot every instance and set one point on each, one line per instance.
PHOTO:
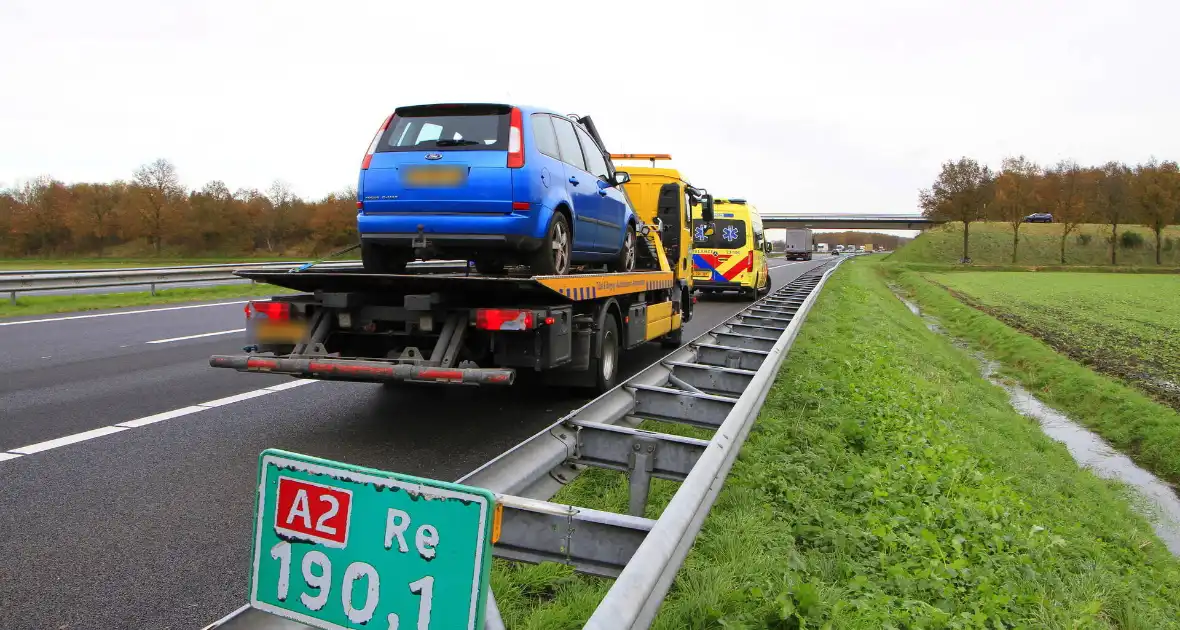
(147, 525)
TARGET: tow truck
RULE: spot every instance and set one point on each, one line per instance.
(463, 327)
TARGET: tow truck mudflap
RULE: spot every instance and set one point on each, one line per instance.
(332, 369)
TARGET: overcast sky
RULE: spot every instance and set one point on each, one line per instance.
(800, 107)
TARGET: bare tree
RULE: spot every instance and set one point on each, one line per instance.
(961, 193)
(159, 185)
(1016, 194)
(1111, 201)
(1156, 190)
(277, 224)
(1064, 189)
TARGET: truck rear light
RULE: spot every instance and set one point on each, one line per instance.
(373, 146)
(268, 310)
(504, 319)
(515, 139)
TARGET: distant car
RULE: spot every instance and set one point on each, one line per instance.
(496, 184)
(1039, 217)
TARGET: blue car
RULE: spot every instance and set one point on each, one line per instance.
(494, 184)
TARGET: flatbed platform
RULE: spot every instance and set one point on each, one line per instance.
(567, 288)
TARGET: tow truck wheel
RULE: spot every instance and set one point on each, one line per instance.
(626, 259)
(381, 259)
(606, 362)
(553, 257)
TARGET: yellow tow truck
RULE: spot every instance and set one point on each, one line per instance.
(457, 326)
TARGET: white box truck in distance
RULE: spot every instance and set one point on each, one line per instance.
(799, 244)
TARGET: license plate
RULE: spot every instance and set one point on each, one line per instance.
(702, 275)
(340, 546)
(435, 176)
(266, 331)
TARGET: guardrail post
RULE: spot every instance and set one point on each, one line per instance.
(640, 463)
(153, 286)
(12, 297)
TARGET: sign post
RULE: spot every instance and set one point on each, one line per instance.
(345, 547)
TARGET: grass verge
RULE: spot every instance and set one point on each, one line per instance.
(1144, 429)
(65, 264)
(47, 304)
(886, 486)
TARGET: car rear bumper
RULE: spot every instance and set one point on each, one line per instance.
(504, 231)
(714, 285)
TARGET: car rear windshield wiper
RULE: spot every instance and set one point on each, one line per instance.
(454, 143)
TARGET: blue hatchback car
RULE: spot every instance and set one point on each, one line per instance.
(495, 184)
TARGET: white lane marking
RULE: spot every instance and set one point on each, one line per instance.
(229, 400)
(146, 420)
(285, 386)
(69, 439)
(167, 415)
(212, 334)
(150, 310)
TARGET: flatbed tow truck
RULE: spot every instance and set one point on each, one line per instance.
(468, 328)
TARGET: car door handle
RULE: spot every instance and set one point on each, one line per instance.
(574, 181)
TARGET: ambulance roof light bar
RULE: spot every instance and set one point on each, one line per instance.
(641, 156)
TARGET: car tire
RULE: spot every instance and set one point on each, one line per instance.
(553, 257)
(625, 261)
(605, 362)
(765, 290)
(377, 258)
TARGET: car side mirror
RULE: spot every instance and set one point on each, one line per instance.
(621, 177)
(707, 209)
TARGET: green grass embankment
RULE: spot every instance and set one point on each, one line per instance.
(1040, 244)
(886, 486)
(47, 304)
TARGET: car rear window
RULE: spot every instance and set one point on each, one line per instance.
(727, 234)
(468, 128)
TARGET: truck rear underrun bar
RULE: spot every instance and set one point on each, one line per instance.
(331, 369)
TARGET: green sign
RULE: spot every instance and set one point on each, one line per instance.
(339, 546)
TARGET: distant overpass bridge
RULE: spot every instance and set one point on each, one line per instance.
(850, 221)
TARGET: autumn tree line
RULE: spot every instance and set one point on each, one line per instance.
(153, 213)
(1113, 194)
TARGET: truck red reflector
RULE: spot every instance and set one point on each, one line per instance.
(503, 319)
(268, 310)
(442, 375)
(520, 205)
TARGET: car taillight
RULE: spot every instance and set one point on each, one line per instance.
(515, 139)
(373, 144)
(504, 319)
(268, 310)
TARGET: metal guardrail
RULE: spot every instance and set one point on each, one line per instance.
(717, 381)
(25, 281)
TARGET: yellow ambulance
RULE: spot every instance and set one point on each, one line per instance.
(729, 253)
